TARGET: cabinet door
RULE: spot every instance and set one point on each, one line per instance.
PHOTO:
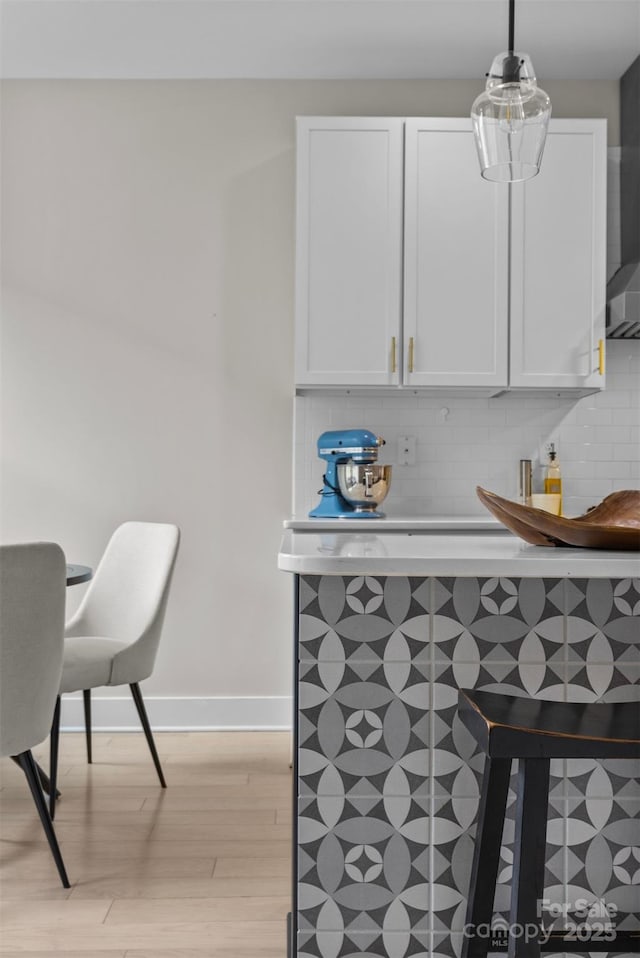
(348, 251)
(558, 256)
(456, 260)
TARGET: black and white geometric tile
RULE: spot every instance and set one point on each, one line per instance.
(364, 619)
(603, 640)
(385, 944)
(603, 836)
(497, 623)
(363, 729)
(389, 778)
(363, 864)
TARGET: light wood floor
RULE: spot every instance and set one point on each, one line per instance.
(199, 870)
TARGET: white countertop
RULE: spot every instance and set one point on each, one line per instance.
(396, 524)
(395, 553)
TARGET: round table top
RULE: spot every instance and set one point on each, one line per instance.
(78, 573)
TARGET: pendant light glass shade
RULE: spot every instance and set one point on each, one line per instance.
(510, 120)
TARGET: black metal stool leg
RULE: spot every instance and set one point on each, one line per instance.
(527, 887)
(26, 762)
(486, 857)
(54, 741)
(142, 712)
(534, 731)
(86, 698)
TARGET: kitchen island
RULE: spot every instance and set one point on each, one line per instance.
(388, 626)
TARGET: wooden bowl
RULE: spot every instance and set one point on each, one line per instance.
(613, 524)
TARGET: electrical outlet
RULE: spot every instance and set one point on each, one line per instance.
(406, 450)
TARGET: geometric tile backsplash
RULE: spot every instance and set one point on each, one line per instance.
(389, 778)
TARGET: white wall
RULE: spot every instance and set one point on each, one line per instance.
(147, 346)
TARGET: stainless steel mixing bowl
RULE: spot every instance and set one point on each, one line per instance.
(364, 486)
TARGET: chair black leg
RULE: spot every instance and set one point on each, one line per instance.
(42, 775)
(527, 887)
(142, 712)
(486, 856)
(26, 762)
(86, 697)
(54, 741)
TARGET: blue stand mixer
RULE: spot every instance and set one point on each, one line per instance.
(353, 485)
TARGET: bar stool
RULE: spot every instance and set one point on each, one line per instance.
(533, 731)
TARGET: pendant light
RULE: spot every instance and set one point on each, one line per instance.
(511, 117)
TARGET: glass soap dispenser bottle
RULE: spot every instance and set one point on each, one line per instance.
(552, 476)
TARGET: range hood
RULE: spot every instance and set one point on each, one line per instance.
(623, 289)
(623, 303)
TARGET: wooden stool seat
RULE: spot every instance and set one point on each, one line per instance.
(506, 726)
(534, 732)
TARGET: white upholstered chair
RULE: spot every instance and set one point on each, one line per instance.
(32, 600)
(113, 638)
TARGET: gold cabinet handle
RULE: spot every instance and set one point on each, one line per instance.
(394, 363)
(410, 360)
(601, 356)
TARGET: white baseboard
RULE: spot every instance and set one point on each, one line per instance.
(171, 714)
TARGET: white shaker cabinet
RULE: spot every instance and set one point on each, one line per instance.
(414, 272)
(456, 251)
(558, 262)
(348, 250)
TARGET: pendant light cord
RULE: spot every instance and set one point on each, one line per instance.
(512, 16)
(511, 63)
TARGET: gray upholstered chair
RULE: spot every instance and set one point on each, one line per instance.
(113, 638)
(32, 598)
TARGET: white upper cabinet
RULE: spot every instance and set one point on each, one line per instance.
(348, 251)
(558, 262)
(456, 279)
(494, 287)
